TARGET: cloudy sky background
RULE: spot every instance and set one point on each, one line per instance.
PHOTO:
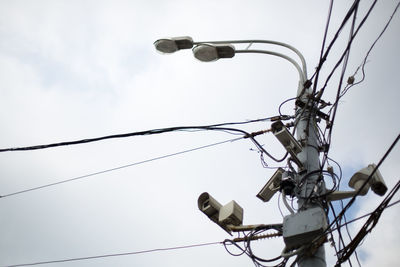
(78, 69)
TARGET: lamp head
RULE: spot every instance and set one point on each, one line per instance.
(171, 45)
(208, 53)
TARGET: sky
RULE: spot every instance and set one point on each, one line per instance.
(71, 70)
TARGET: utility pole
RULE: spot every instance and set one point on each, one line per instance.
(309, 224)
(309, 156)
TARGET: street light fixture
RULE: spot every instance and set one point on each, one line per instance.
(171, 45)
(208, 52)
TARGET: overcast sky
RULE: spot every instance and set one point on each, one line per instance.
(78, 69)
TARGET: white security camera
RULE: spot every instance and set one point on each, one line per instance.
(288, 141)
(376, 182)
(286, 138)
(209, 206)
(229, 215)
(271, 186)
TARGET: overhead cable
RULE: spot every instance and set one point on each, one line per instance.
(352, 200)
(367, 227)
(214, 127)
(117, 168)
(114, 255)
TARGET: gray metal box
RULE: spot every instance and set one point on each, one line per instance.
(303, 227)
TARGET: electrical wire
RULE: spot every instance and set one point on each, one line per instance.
(335, 37)
(352, 200)
(259, 262)
(114, 255)
(323, 44)
(349, 43)
(362, 66)
(367, 227)
(117, 168)
(213, 127)
(365, 215)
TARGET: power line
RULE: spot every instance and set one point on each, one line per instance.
(362, 66)
(366, 215)
(214, 127)
(118, 168)
(352, 200)
(346, 50)
(115, 255)
(367, 227)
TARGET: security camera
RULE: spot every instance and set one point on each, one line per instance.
(286, 138)
(378, 185)
(376, 182)
(230, 214)
(271, 186)
(288, 141)
(209, 206)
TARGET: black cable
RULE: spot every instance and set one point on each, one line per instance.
(368, 226)
(345, 19)
(365, 215)
(362, 66)
(158, 131)
(214, 127)
(352, 200)
(284, 102)
(114, 255)
(346, 49)
(346, 59)
(323, 44)
(349, 235)
(117, 168)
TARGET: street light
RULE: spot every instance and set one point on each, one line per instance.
(208, 52)
(171, 45)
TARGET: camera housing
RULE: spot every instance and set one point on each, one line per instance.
(291, 145)
(286, 138)
(209, 206)
(230, 214)
(272, 186)
(376, 182)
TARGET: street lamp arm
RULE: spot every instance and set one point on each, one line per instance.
(301, 74)
(303, 61)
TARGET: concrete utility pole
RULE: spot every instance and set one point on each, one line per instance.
(306, 156)
(309, 156)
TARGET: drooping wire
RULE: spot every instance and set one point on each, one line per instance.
(365, 215)
(116, 168)
(213, 127)
(368, 226)
(114, 255)
(247, 250)
(352, 200)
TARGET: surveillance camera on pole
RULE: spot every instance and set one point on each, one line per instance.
(230, 214)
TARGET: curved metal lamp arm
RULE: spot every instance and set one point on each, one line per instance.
(303, 61)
